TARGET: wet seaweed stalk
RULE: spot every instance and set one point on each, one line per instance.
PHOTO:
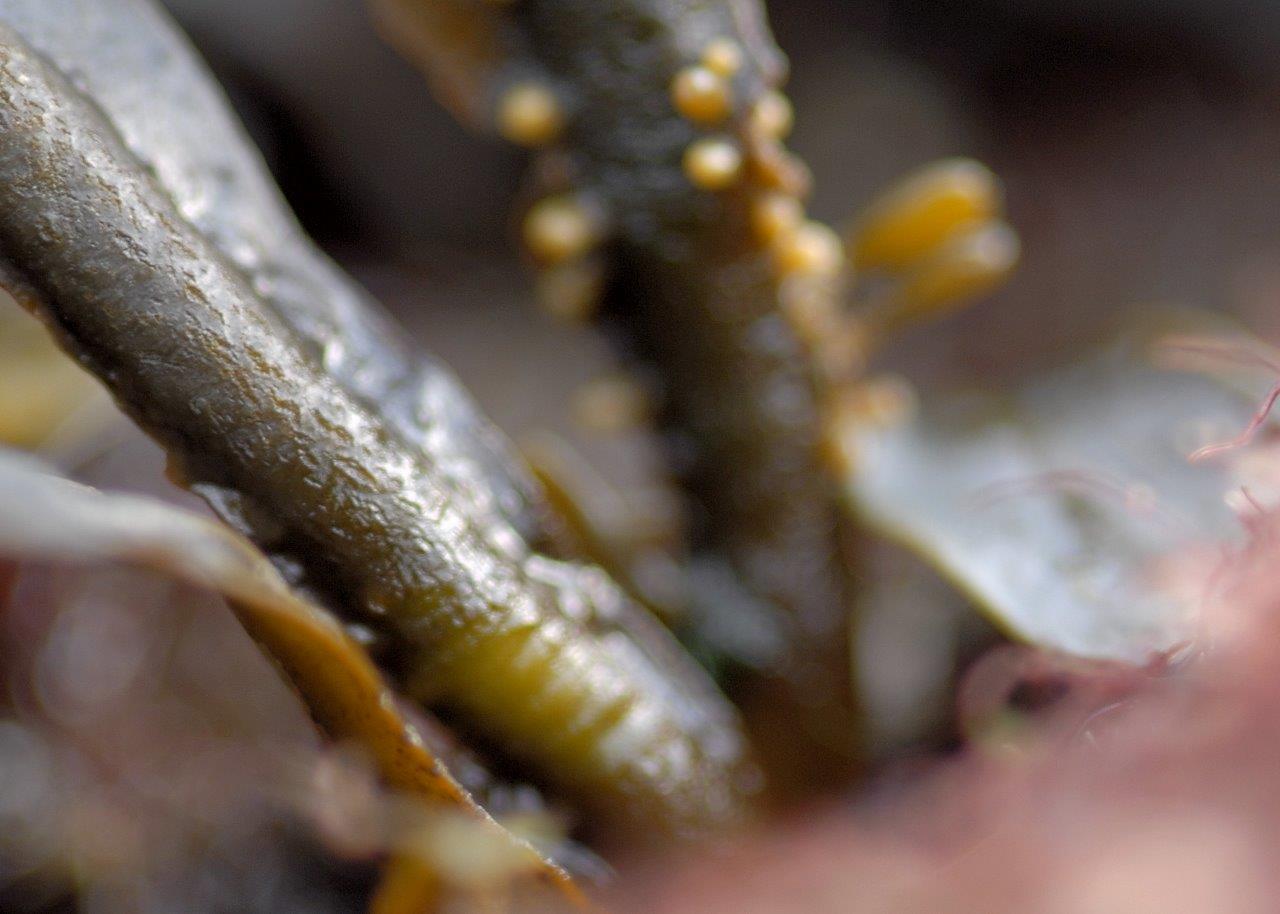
(671, 207)
(541, 658)
(663, 165)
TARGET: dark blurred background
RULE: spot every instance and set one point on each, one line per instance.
(1139, 140)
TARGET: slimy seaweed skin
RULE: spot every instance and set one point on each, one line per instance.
(546, 660)
(660, 126)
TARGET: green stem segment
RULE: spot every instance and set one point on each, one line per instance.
(540, 658)
(718, 283)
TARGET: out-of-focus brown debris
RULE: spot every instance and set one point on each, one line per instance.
(1136, 790)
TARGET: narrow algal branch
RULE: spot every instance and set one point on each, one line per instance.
(547, 661)
(670, 206)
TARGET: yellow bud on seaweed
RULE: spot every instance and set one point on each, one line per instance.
(775, 214)
(773, 116)
(723, 56)
(923, 212)
(701, 95)
(967, 268)
(562, 228)
(529, 114)
(713, 164)
(812, 249)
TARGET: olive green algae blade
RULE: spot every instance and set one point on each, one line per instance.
(541, 658)
(1057, 506)
(138, 67)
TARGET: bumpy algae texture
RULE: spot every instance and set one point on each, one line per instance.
(403, 510)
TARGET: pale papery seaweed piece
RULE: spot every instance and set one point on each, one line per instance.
(548, 661)
(47, 518)
(1052, 504)
(1221, 353)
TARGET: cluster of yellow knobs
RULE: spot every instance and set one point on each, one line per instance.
(936, 240)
